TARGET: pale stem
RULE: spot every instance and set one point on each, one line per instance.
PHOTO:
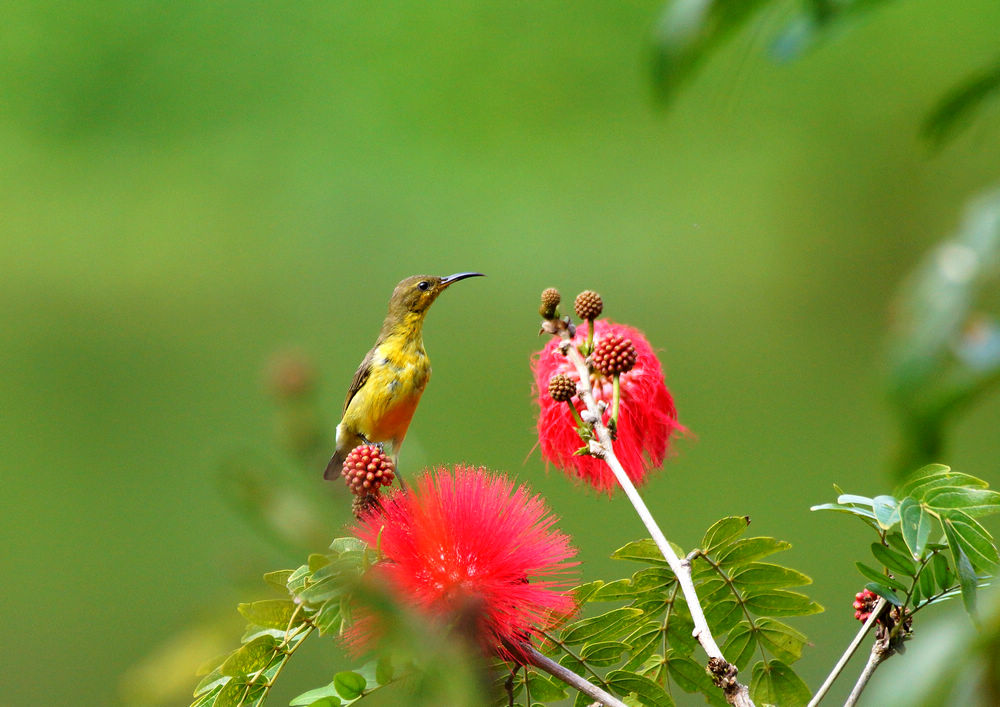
(682, 570)
(570, 678)
(842, 663)
(879, 653)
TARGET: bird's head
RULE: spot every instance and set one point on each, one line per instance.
(417, 293)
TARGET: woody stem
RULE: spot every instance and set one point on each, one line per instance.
(603, 448)
(570, 678)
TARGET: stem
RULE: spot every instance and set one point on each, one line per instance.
(878, 655)
(617, 388)
(839, 667)
(590, 336)
(570, 678)
(569, 651)
(602, 447)
(576, 415)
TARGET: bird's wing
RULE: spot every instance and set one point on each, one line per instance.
(360, 376)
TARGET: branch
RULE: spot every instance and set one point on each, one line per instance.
(839, 667)
(879, 653)
(570, 678)
(723, 672)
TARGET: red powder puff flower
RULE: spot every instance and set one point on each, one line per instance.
(471, 539)
(646, 418)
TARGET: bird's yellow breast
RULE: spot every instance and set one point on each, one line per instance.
(383, 407)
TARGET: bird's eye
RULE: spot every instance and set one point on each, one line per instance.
(423, 285)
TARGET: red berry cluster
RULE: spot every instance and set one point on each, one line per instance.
(367, 468)
(614, 354)
(864, 603)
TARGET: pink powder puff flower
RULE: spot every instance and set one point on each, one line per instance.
(470, 539)
(646, 420)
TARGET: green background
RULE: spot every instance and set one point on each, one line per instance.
(187, 188)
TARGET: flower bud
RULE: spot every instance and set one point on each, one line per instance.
(588, 305)
(550, 300)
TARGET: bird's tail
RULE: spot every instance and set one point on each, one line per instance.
(336, 465)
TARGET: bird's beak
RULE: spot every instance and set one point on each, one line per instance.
(445, 281)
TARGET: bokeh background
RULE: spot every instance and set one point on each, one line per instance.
(188, 188)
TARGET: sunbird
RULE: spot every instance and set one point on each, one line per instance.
(390, 380)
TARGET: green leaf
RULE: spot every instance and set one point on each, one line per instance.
(967, 579)
(780, 602)
(880, 577)
(957, 108)
(347, 544)
(250, 657)
(545, 690)
(849, 498)
(783, 641)
(349, 684)
(584, 592)
(653, 579)
(886, 510)
(210, 682)
(714, 590)
(313, 696)
(937, 475)
(614, 591)
(603, 653)
(648, 692)
(915, 523)
(328, 618)
(687, 31)
(691, 677)
(723, 615)
(271, 613)
(976, 542)
(298, 578)
(896, 542)
(317, 561)
(644, 642)
(974, 502)
(884, 592)
(278, 579)
(944, 575)
(644, 550)
(926, 583)
(723, 532)
(385, 672)
(863, 513)
(777, 684)
(232, 694)
(614, 622)
(749, 550)
(893, 560)
(763, 574)
(740, 645)
(679, 632)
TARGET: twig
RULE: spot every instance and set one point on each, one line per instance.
(842, 663)
(570, 678)
(602, 447)
(879, 653)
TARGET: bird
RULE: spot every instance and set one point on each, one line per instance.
(391, 378)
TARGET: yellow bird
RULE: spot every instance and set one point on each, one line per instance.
(390, 380)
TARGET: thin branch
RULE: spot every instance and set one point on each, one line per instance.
(878, 655)
(602, 447)
(842, 663)
(570, 678)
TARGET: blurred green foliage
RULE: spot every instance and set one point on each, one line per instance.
(188, 188)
